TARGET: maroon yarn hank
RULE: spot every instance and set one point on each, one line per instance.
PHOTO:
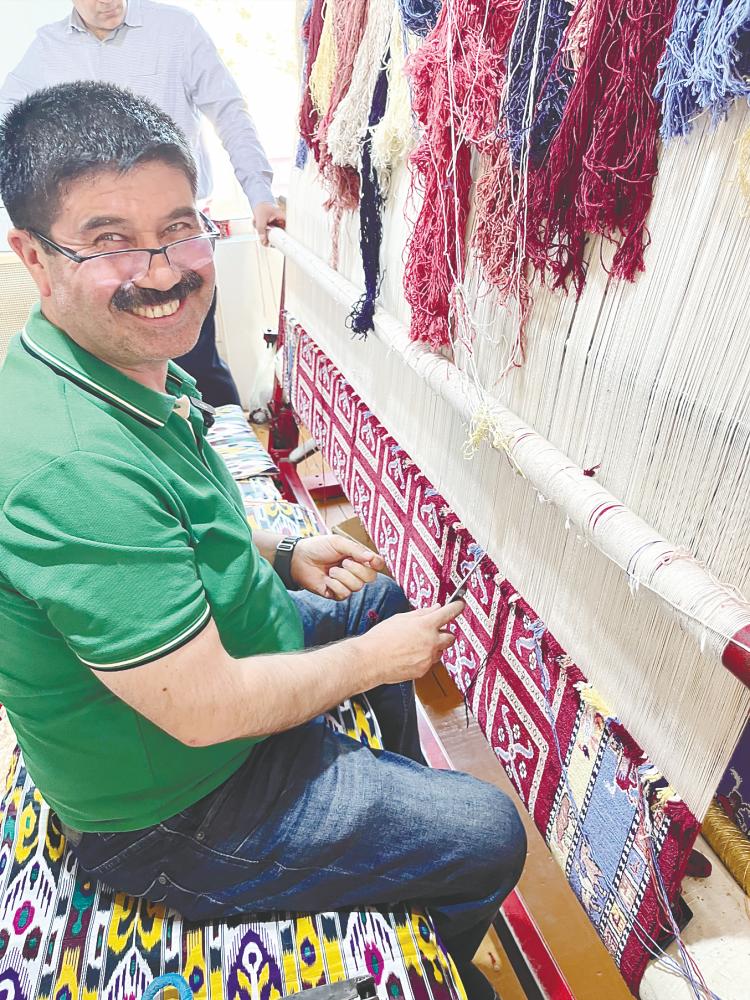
(456, 80)
(599, 175)
(308, 115)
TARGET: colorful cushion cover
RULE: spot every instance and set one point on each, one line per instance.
(64, 937)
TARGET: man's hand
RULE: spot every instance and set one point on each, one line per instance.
(333, 566)
(264, 215)
(407, 646)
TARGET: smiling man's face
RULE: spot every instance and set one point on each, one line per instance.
(136, 324)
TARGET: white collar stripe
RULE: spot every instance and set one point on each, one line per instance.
(154, 654)
(80, 377)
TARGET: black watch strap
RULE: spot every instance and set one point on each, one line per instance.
(282, 561)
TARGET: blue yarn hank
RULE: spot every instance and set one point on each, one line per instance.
(551, 83)
(419, 16)
(706, 63)
(360, 320)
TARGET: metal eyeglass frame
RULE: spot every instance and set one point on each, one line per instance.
(212, 232)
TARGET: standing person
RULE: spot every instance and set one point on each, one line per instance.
(165, 686)
(163, 53)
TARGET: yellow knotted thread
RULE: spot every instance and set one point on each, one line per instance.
(590, 696)
(483, 427)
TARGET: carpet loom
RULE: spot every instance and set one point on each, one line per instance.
(540, 305)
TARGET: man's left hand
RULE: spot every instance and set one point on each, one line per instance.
(264, 215)
(333, 566)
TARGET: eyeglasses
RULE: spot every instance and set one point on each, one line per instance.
(118, 267)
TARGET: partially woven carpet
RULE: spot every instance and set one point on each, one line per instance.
(619, 832)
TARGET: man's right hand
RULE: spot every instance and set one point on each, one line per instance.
(407, 646)
(264, 694)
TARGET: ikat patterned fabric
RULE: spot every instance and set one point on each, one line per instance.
(233, 438)
(251, 467)
(616, 828)
(280, 516)
(63, 937)
(258, 489)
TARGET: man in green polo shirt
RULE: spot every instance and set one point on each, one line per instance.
(151, 657)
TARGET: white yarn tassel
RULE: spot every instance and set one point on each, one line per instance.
(394, 136)
(349, 124)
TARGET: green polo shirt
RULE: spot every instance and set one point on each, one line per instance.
(121, 535)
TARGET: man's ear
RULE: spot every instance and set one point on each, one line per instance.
(27, 248)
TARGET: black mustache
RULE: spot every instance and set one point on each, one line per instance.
(131, 297)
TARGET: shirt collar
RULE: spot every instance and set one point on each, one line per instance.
(133, 18)
(49, 345)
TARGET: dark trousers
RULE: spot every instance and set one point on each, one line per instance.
(214, 379)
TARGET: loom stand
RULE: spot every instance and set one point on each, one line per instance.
(286, 451)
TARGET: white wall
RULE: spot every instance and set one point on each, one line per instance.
(21, 19)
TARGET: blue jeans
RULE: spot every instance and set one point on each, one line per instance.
(314, 821)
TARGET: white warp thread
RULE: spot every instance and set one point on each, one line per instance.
(650, 382)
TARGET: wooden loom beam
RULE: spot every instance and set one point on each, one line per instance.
(615, 530)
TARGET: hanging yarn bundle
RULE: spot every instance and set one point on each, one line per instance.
(324, 65)
(577, 36)
(308, 114)
(348, 21)
(706, 64)
(419, 16)
(599, 174)
(370, 218)
(539, 80)
(456, 83)
(300, 158)
(394, 134)
(352, 117)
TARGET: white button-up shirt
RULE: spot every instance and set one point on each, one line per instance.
(160, 52)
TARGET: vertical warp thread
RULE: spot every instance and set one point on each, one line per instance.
(744, 170)
(706, 64)
(360, 320)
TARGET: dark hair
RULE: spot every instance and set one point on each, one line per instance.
(61, 133)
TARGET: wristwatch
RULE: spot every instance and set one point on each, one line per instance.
(282, 561)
